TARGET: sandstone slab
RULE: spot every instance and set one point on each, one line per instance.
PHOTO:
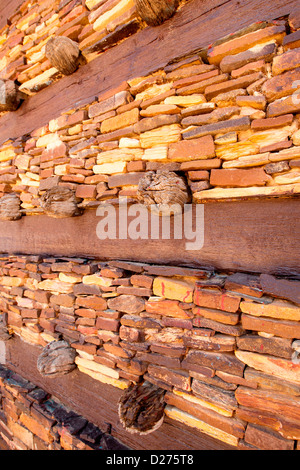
(196, 149)
(173, 289)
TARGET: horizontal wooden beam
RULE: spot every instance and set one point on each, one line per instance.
(98, 403)
(252, 236)
(7, 9)
(197, 24)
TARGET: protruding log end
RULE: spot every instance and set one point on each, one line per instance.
(10, 96)
(141, 408)
(155, 12)
(63, 54)
(60, 202)
(10, 207)
(57, 359)
(163, 191)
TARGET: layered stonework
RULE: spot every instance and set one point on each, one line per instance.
(32, 419)
(223, 346)
(94, 25)
(228, 122)
(225, 120)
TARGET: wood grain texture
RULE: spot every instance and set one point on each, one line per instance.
(7, 9)
(253, 236)
(198, 24)
(98, 403)
(155, 12)
(63, 53)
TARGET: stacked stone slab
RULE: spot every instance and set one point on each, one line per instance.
(32, 419)
(93, 25)
(228, 122)
(224, 347)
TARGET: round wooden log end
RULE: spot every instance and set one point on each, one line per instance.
(56, 359)
(141, 408)
(163, 192)
(10, 97)
(63, 54)
(155, 12)
(60, 202)
(10, 207)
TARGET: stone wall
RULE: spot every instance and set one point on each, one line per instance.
(95, 25)
(223, 346)
(32, 419)
(227, 119)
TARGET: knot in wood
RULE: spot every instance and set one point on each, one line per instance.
(141, 408)
(163, 191)
(63, 54)
(155, 12)
(57, 359)
(60, 202)
(10, 207)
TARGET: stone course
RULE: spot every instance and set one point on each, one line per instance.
(223, 346)
(32, 419)
(234, 106)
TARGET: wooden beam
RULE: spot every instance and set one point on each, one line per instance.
(7, 9)
(197, 24)
(98, 403)
(252, 236)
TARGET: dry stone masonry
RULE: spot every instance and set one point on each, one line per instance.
(222, 348)
(226, 120)
(217, 351)
(42, 41)
(32, 419)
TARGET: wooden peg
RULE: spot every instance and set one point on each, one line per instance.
(155, 12)
(141, 408)
(10, 96)
(63, 54)
(60, 202)
(162, 191)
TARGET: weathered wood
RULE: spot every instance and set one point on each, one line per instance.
(10, 96)
(57, 358)
(141, 408)
(119, 34)
(163, 189)
(60, 202)
(253, 237)
(10, 207)
(98, 403)
(155, 12)
(142, 53)
(63, 53)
